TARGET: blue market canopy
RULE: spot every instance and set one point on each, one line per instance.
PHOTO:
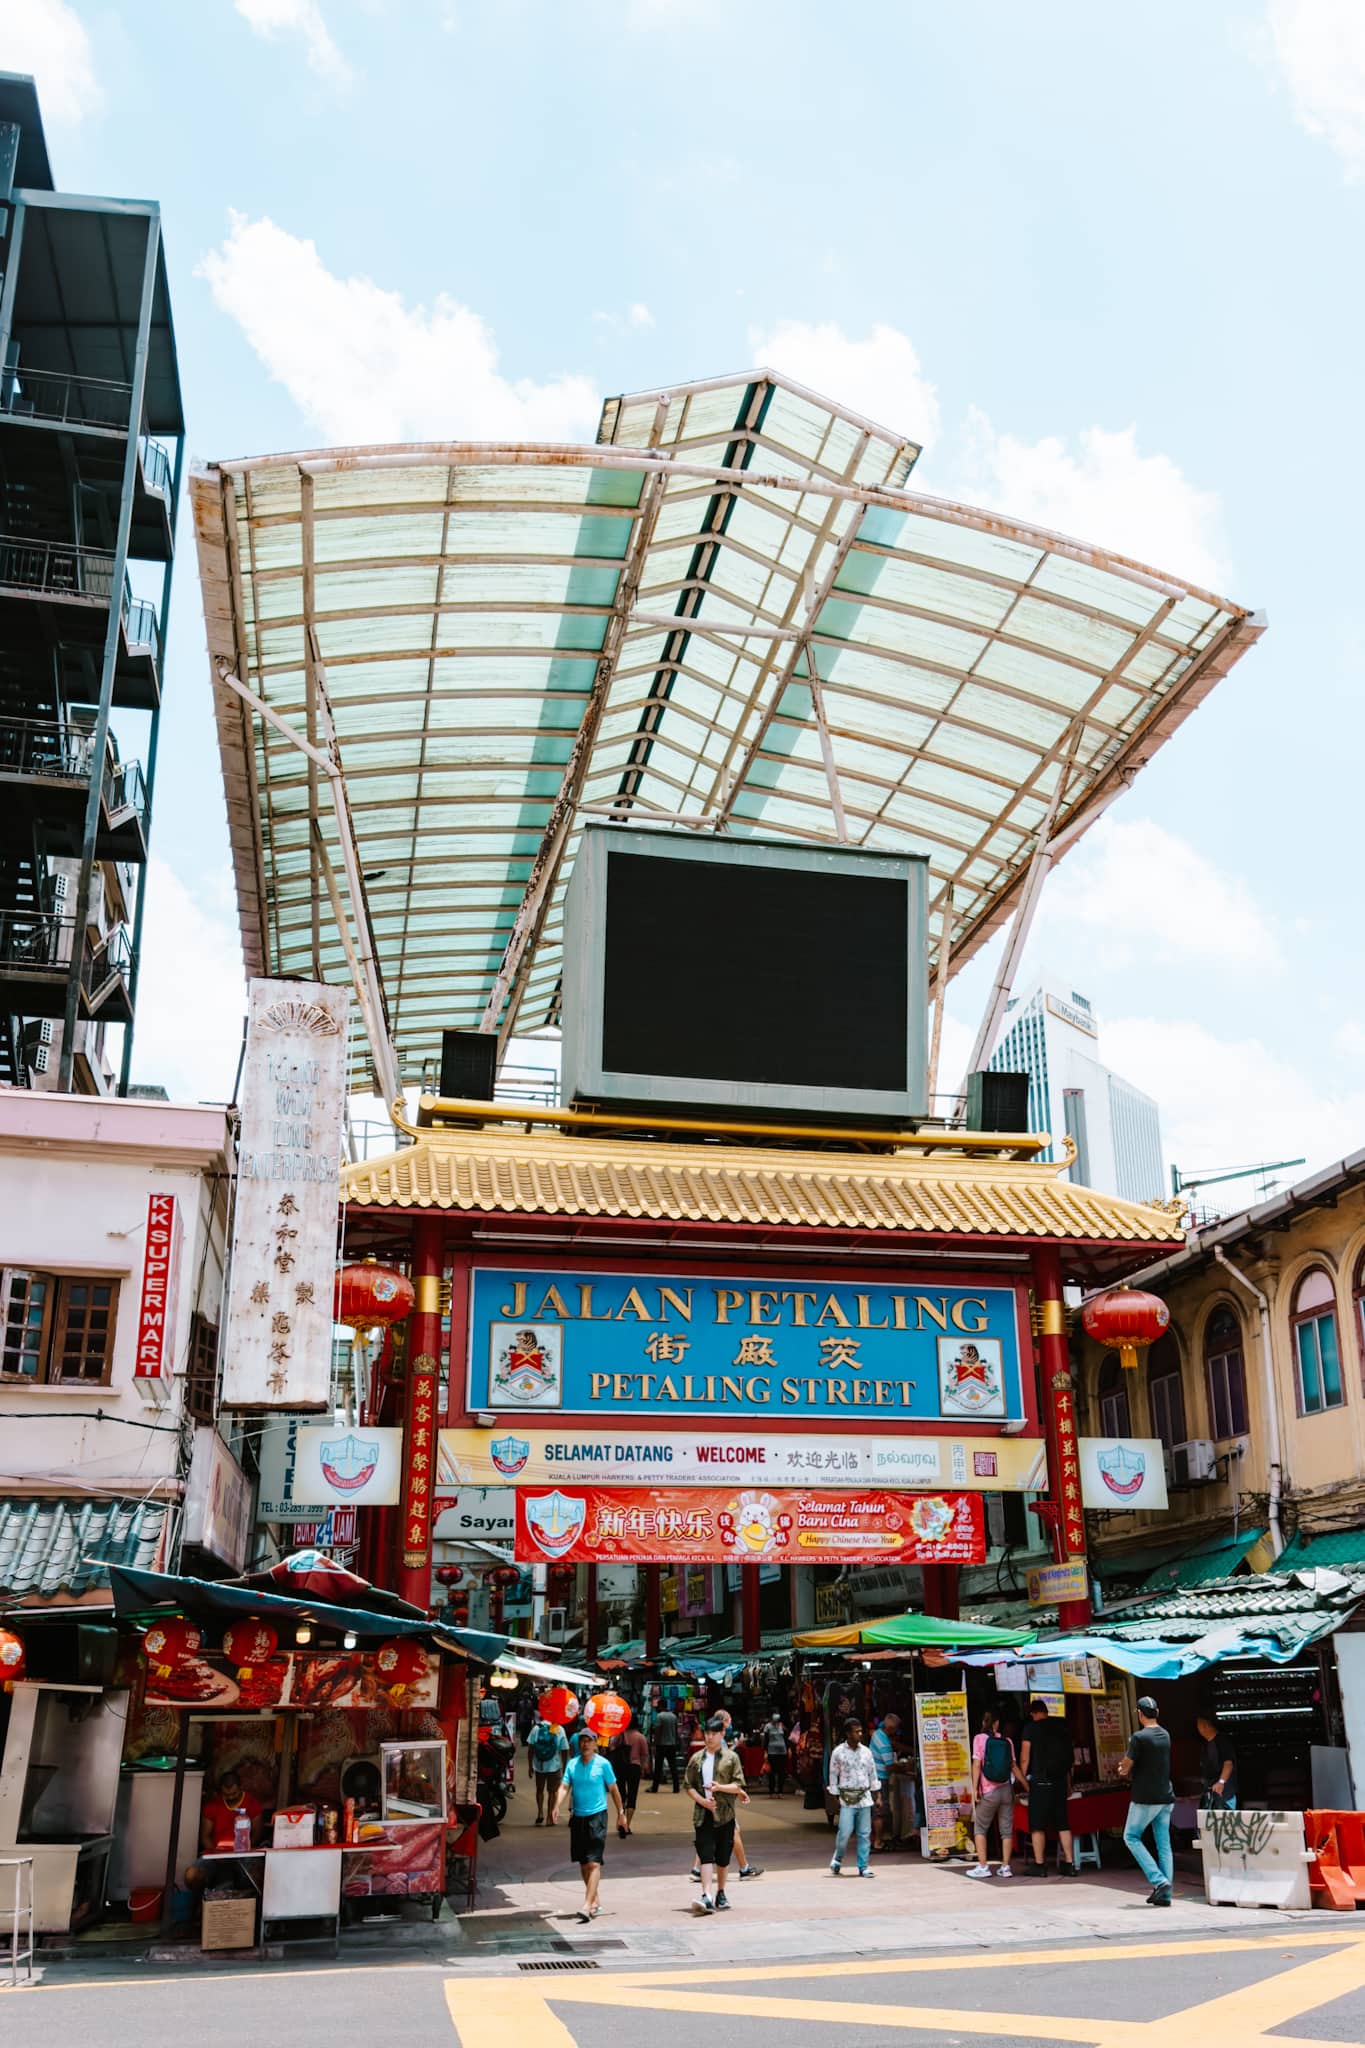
(1272, 1616)
(139, 1596)
(729, 614)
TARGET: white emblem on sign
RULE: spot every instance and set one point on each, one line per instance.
(971, 1380)
(525, 1365)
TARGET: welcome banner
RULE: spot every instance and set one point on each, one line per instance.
(751, 1525)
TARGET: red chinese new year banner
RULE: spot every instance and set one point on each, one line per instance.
(751, 1525)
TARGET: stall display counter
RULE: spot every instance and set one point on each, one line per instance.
(290, 1884)
(1087, 1811)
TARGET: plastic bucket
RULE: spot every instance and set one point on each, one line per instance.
(144, 1902)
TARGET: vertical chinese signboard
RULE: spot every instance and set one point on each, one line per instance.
(1068, 1464)
(160, 1277)
(278, 1352)
(419, 1471)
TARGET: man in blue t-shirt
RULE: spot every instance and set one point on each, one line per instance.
(588, 1780)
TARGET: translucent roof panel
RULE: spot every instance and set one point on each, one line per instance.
(729, 615)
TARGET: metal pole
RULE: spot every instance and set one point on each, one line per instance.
(112, 637)
(177, 1807)
(11, 285)
(945, 949)
(1043, 854)
(136, 973)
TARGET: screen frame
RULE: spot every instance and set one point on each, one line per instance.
(585, 1078)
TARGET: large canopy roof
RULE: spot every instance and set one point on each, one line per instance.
(729, 614)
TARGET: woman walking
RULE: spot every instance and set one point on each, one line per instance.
(994, 1770)
(629, 1755)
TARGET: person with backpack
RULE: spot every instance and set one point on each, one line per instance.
(994, 1771)
(548, 1746)
(629, 1755)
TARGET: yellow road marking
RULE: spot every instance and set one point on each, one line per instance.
(485, 2009)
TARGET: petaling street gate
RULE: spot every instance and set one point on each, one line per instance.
(721, 1349)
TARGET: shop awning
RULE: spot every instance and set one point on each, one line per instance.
(138, 1595)
(914, 1632)
(553, 1674)
(1339, 1549)
(1270, 1616)
(1205, 1566)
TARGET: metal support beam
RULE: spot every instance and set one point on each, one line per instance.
(836, 796)
(369, 988)
(152, 744)
(945, 952)
(11, 283)
(1043, 855)
(112, 637)
(510, 980)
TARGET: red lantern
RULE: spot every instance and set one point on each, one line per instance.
(369, 1296)
(450, 1574)
(168, 1644)
(459, 1611)
(399, 1666)
(607, 1714)
(558, 1705)
(11, 1657)
(506, 1576)
(1125, 1319)
(249, 1644)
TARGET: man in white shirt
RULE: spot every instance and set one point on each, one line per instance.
(853, 1781)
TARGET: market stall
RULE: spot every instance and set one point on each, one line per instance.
(323, 1734)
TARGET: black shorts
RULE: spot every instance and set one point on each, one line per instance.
(715, 1839)
(588, 1836)
(1047, 1808)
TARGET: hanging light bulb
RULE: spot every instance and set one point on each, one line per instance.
(348, 1640)
(303, 1633)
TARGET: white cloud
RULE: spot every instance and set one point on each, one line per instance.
(1104, 490)
(1229, 1102)
(879, 376)
(1320, 48)
(271, 18)
(191, 996)
(1132, 890)
(639, 315)
(366, 366)
(47, 39)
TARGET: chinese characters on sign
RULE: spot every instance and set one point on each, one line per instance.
(1068, 1464)
(675, 1344)
(278, 1352)
(160, 1277)
(423, 1385)
(720, 1525)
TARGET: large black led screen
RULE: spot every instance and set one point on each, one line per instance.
(790, 976)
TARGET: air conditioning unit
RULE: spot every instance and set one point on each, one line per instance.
(1194, 1463)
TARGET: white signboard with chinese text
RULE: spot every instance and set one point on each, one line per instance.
(278, 1349)
(348, 1466)
(1122, 1472)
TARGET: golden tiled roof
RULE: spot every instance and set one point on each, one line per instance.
(540, 1173)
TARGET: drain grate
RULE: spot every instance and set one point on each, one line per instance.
(562, 1963)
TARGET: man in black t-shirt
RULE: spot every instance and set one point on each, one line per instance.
(1147, 1767)
(1046, 1758)
(1217, 1764)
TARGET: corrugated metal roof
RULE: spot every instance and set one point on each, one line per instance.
(729, 613)
(1289, 1605)
(540, 1173)
(1338, 1548)
(45, 1544)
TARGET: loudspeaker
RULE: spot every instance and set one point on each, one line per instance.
(997, 1102)
(469, 1065)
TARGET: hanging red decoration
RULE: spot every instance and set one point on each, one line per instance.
(559, 1705)
(607, 1714)
(1125, 1319)
(248, 1644)
(450, 1574)
(11, 1657)
(168, 1644)
(399, 1666)
(459, 1612)
(369, 1296)
(507, 1576)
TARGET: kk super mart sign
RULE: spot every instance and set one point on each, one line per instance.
(648, 1344)
(748, 1525)
(565, 1456)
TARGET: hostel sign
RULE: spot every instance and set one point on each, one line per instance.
(671, 1344)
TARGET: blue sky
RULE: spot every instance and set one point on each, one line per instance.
(1104, 261)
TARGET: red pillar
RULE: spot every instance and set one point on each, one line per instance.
(653, 1617)
(420, 1420)
(1058, 1395)
(590, 1610)
(751, 1634)
(941, 1590)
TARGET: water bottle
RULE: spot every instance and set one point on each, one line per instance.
(241, 1833)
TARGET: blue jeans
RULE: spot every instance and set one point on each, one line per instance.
(1158, 1818)
(854, 1820)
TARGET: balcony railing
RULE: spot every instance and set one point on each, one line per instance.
(156, 466)
(125, 789)
(69, 400)
(30, 746)
(56, 568)
(34, 938)
(140, 623)
(112, 956)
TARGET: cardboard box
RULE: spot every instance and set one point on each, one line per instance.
(229, 1923)
(295, 1827)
